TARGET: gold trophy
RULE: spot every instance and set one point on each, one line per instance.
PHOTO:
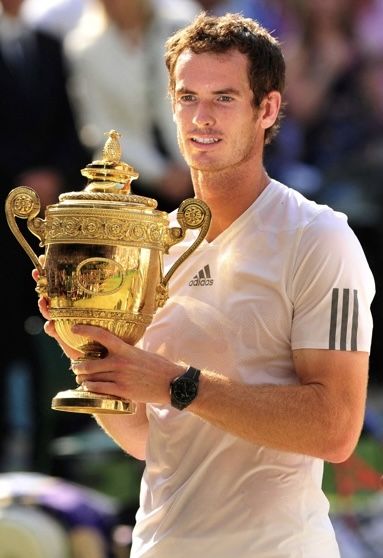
(103, 260)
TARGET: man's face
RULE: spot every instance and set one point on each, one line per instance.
(217, 124)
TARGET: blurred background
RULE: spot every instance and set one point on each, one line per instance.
(70, 70)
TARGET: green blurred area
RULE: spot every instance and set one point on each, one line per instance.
(361, 475)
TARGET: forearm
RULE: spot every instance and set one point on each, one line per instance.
(321, 415)
(294, 418)
(128, 431)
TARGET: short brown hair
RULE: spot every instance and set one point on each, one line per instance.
(208, 33)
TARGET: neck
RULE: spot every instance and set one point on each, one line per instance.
(228, 195)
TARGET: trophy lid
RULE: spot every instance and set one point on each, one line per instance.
(109, 178)
(110, 173)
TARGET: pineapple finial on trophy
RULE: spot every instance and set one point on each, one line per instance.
(110, 174)
(112, 149)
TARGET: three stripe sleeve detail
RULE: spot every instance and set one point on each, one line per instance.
(344, 320)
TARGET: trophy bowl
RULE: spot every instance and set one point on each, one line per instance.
(103, 260)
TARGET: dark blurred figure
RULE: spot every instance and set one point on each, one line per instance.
(319, 126)
(39, 147)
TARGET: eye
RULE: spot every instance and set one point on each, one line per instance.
(225, 98)
(187, 98)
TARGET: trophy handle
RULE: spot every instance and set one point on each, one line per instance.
(192, 214)
(23, 202)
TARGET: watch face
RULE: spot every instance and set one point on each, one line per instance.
(184, 390)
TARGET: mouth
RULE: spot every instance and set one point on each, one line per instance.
(205, 140)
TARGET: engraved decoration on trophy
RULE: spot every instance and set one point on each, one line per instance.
(103, 260)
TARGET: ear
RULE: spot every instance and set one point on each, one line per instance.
(270, 108)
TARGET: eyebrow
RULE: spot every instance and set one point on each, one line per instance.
(226, 91)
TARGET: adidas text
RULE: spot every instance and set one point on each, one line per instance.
(197, 282)
(202, 278)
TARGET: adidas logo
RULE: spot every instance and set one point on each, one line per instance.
(202, 278)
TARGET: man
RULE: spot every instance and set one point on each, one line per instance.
(277, 339)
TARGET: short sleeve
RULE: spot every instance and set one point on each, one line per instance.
(332, 288)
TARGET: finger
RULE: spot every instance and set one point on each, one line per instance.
(109, 340)
(92, 377)
(95, 367)
(43, 307)
(106, 388)
(49, 328)
(35, 272)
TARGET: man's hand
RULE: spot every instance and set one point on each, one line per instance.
(126, 371)
(49, 326)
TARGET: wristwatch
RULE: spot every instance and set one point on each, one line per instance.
(184, 389)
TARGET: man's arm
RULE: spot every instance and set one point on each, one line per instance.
(128, 431)
(322, 416)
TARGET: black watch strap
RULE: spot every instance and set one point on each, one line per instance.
(192, 373)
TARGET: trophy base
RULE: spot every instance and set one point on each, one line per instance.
(82, 401)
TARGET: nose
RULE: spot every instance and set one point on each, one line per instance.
(204, 116)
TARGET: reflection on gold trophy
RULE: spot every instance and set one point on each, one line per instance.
(103, 260)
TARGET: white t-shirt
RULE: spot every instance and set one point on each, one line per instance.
(287, 274)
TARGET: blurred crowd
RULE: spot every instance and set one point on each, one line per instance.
(71, 70)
